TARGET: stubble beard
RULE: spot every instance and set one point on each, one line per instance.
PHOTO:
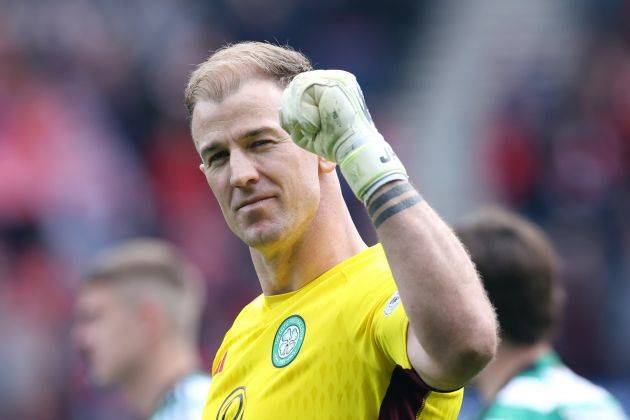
(264, 236)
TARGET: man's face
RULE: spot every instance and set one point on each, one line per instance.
(267, 187)
(109, 334)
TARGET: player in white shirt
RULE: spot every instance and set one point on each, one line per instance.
(137, 319)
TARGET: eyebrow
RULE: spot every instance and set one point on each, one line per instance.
(212, 146)
(207, 149)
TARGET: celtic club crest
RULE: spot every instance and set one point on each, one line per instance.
(288, 341)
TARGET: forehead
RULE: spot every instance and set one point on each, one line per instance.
(255, 104)
(96, 296)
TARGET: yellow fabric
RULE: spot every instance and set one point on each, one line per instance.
(355, 335)
(441, 405)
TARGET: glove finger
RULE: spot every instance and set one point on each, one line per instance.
(296, 135)
(323, 147)
(300, 107)
(306, 141)
(308, 116)
(287, 115)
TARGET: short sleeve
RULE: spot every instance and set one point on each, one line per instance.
(390, 324)
(373, 311)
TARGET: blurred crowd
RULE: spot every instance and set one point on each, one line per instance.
(94, 148)
(558, 151)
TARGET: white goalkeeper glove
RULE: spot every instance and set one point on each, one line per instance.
(325, 113)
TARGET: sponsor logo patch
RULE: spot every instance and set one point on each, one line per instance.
(394, 301)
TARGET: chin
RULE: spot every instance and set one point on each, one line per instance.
(262, 235)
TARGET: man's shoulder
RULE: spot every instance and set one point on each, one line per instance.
(193, 388)
(186, 399)
(369, 290)
(252, 308)
(556, 391)
(249, 313)
(370, 268)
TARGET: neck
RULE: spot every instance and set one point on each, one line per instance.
(166, 364)
(329, 239)
(508, 362)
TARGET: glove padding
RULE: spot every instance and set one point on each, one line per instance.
(325, 113)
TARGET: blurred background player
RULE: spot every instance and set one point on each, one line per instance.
(527, 379)
(137, 327)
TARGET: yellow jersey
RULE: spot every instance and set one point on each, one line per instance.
(334, 349)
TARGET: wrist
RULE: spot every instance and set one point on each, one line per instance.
(391, 199)
(370, 164)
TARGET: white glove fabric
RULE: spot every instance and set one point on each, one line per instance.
(325, 113)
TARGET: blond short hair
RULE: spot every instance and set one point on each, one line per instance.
(223, 72)
(153, 268)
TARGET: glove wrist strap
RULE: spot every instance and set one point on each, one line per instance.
(370, 166)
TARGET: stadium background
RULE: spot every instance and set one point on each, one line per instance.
(526, 104)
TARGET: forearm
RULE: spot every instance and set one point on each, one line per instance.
(447, 307)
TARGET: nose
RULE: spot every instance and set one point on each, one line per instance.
(242, 169)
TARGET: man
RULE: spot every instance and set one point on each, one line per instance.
(527, 380)
(328, 337)
(138, 315)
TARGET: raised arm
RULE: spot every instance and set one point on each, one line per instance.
(452, 327)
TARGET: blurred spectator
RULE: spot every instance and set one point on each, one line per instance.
(526, 379)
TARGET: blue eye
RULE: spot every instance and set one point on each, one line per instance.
(217, 158)
(259, 143)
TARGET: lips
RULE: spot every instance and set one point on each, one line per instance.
(252, 200)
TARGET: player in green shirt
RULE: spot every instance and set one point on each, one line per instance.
(527, 380)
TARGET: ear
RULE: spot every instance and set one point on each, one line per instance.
(153, 317)
(325, 166)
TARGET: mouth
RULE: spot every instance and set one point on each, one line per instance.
(250, 202)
